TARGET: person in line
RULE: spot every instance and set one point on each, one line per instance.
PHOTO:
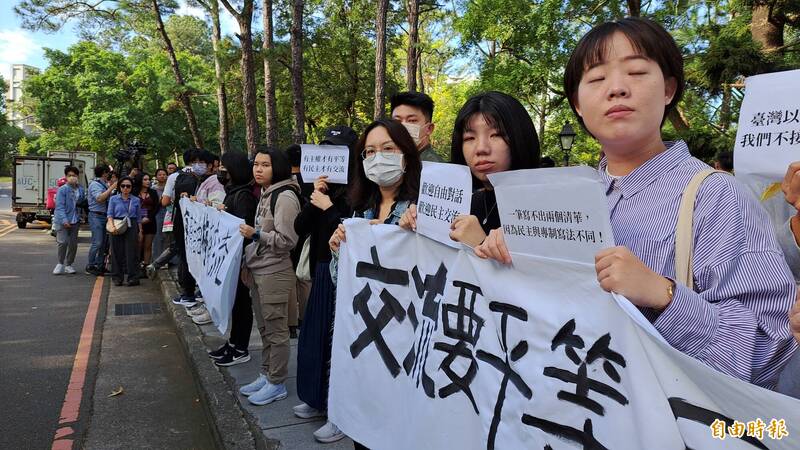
(172, 168)
(268, 270)
(319, 219)
(185, 185)
(415, 111)
(159, 185)
(386, 171)
(150, 207)
(125, 210)
(236, 175)
(492, 133)
(211, 191)
(622, 80)
(100, 190)
(724, 161)
(67, 221)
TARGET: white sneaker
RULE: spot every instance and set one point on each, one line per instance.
(59, 269)
(304, 411)
(69, 269)
(202, 319)
(328, 433)
(196, 310)
(250, 389)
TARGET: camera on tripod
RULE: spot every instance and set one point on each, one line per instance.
(130, 157)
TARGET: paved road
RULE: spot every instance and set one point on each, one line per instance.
(40, 323)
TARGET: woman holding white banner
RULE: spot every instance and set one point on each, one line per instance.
(268, 270)
(492, 133)
(622, 81)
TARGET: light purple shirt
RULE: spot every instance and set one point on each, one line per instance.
(736, 319)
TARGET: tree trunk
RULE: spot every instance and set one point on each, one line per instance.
(380, 58)
(725, 108)
(298, 103)
(222, 95)
(183, 97)
(421, 78)
(269, 86)
(678, 119)
(765, 29)
(634, 8)
(413, 45)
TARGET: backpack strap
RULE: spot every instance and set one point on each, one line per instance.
(684, 229)
(273, 199)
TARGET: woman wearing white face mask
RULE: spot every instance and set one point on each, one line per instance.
(386, 169)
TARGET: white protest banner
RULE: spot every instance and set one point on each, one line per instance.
(570, 220)
(768, 138)
(213, 252)
(445, 192)
(329, 160)
(434, 348)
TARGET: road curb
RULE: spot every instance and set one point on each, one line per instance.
(231, 427)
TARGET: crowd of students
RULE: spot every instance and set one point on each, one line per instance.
(622, 81)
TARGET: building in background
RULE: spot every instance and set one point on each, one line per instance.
(15, 114)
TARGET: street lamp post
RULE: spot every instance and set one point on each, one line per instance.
(567, 138)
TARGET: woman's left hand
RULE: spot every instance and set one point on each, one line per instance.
(467, 230)
(246, 230)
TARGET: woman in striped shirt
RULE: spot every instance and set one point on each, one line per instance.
(622, 81)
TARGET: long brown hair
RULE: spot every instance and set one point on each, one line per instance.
(363, 193)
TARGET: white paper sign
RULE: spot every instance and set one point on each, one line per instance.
(213, 253)
(570, 219)
(445, 192)
(768, 138)
(434, 348)
(328, 160)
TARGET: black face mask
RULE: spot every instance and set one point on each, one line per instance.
(223, 177)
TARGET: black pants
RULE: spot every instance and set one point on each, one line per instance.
(241, 317)
(125, 254)
(185, 279)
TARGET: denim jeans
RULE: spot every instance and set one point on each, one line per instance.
(99, 247)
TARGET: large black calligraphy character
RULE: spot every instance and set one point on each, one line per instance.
(600, 350)
(504, 364)
(429, 289)
(460, 322)
(391, 309)
(682, 409)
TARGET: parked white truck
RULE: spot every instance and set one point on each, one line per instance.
(34, 176)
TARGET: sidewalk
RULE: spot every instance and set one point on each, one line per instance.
(276, 423)
(159, 406)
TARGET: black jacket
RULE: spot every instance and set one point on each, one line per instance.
(239, 199)
(320, 225)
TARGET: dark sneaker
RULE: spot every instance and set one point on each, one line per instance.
(132, 283)
(117, 282)
(233, 357)
(184, 301)
(220, 352)
(91, 270)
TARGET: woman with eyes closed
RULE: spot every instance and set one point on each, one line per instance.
(492, 133)
(622, 81)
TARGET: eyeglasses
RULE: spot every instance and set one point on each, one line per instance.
(370, 152)
(125, 186)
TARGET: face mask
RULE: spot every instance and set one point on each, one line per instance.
(223, 177)
(72, 180)
(199, 169)
(384, 169)
(413, 130)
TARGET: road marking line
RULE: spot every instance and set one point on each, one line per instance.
(7, 230)
(72, 399)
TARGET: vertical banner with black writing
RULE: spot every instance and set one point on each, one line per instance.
(445, 192)
(214, 253)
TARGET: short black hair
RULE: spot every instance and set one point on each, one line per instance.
(210, 157)
(281, 169)
(161, 169)
(725, 160)
(295, 154)
(511, 119)
(100, 170)
(362, 193)
(72, 169)
(646, 37)
(415, 99)
(172, 164)
(193, 154)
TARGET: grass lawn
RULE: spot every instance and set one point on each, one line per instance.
(5, 179)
